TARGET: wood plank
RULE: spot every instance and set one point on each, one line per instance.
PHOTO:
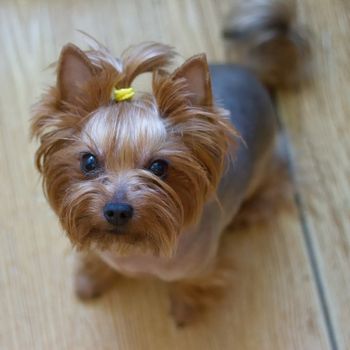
(318, 123)
(273, 303)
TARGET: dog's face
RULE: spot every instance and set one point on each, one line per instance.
(129, 174)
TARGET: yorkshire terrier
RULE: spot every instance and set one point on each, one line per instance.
(146, 183)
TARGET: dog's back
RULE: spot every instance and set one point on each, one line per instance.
(253, 115)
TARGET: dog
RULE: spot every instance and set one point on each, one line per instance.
(144, 184)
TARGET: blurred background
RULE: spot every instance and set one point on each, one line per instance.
(291, 287)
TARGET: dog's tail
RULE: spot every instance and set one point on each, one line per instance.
(267, 39)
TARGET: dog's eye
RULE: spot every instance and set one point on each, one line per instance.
(88, 163)
(159, 168)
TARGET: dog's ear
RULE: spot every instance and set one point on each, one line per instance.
(196, 73)
(74, 71)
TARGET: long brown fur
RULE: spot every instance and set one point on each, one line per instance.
(162, 124)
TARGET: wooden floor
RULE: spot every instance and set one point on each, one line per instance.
(291, 289)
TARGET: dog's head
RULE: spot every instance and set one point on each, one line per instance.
(132, 173)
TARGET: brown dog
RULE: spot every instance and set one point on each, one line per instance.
(146, 184)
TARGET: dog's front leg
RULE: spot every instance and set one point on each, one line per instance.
(92, 276)
(189, 297)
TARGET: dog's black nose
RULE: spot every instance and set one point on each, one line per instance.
(118, 213)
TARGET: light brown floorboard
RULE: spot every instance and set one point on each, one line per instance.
(318, 123)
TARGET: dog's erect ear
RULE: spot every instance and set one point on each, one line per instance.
(74, 70)
(196, 72)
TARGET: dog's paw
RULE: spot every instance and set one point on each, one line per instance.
(182, 312)
(86, 287)
(92, 277)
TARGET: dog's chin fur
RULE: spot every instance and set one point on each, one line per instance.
(177, 122)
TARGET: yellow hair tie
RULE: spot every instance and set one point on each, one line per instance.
(123, 94)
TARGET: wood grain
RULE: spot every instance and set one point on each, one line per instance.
(318, 124)
(273, 303)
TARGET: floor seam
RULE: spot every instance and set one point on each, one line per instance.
(315, 267)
